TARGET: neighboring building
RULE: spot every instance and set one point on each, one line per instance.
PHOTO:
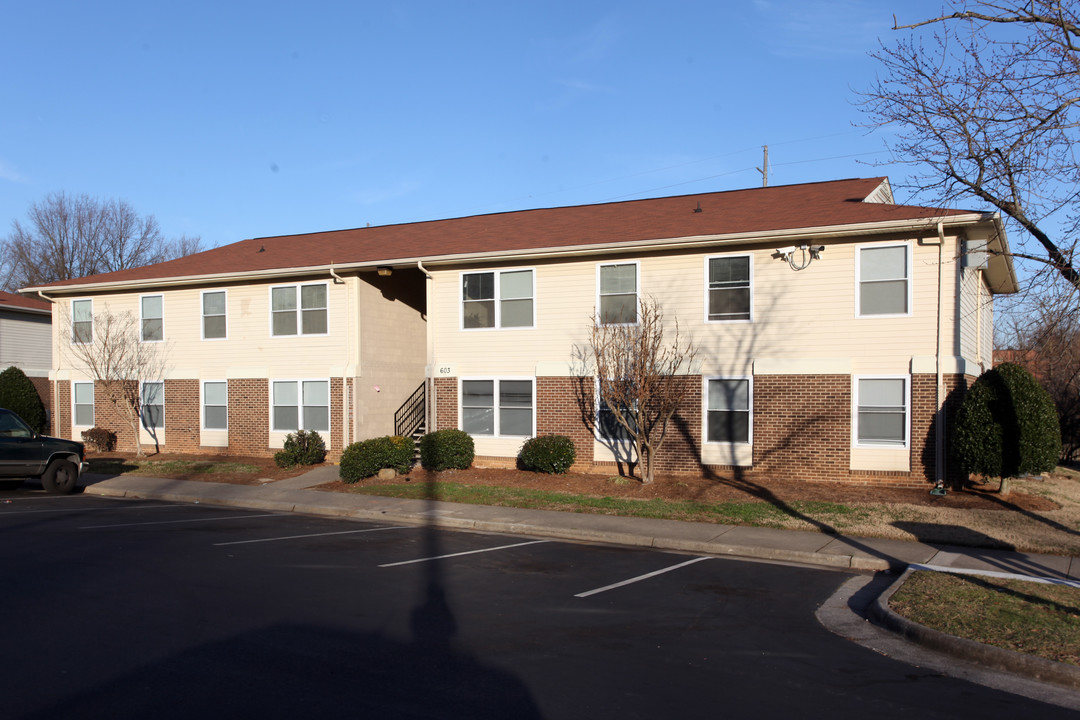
(26, 339)
(831, 372)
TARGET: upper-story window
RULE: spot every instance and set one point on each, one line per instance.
(617, 289)
(729, 284)
(884, 280)
(151, 316)
(298, 309)
(82, 321)
(497, 299)
(214, 326)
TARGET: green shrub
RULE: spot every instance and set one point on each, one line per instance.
(1007, 425)
(366, 458)
(548, 454)
(100, 439)
(19, 395)
(301, 448)
(447, 450)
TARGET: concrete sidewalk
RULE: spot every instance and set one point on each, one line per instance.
(855, 553)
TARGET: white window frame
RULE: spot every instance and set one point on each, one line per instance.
(143, 318)
(637, 292)
(202, 405)
(298, 287)
(909, 254)
(705, 409)
(75, 405)
(498, 273)
(142, 425)
(856, 379)
(203, 315)
(325, 434)
(710, 258)
(496, 395)
(78, 300)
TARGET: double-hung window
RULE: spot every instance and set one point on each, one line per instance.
(617, 294)
(214, 325)
(215, 405)
(83, 400)
(298, 310)
(152, 399)
(497, 299)
(882, 415)
(729, 410)
(729, 282)
(884, 280)
(82, 322)
(151, 317)
(300, 405)
(502, 408)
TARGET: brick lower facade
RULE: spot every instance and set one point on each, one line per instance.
(802, 428)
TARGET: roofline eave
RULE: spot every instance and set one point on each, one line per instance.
(822, 232)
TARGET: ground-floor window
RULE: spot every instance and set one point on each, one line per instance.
(729, 410)
(83, 399)
(882, 410)
(152, 400)
(300, 405)
(497, 407)
(215, 405)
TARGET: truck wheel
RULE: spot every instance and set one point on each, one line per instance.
(60, 477)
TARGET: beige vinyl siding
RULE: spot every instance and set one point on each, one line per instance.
(807, 314)
(393, 336)
(26, 342)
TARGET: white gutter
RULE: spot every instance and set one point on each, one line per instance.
(939, 426)
(828, 231)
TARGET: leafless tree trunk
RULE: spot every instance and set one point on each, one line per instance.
(116, 359)
(76, 236)
(641, 377)
(987, 108)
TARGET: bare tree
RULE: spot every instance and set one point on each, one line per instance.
(113, 354)
(74, 236)
(987, 107)
(641, 378)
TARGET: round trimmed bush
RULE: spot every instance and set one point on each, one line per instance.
(448, 449)
(548, 454)
(367, 457)
(19, 395)
(99, 439)
(301, 448)
(1007, 425)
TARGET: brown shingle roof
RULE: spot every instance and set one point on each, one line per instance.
(14, 301)
(777, 208)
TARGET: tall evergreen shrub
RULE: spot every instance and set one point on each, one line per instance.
(19, 395)
(1007, 425)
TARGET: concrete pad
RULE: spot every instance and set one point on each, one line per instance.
(896, 553)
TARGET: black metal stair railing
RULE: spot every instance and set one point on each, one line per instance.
(410, 416)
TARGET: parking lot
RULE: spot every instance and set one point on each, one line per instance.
(125, 608)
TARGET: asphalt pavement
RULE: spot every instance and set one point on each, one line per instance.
(863, 555)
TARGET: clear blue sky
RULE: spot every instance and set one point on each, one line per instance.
(230, 120)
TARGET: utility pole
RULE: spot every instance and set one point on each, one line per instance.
(764, 169)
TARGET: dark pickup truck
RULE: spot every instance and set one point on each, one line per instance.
(26, 454)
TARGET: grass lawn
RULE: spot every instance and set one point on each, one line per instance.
(1033, 618)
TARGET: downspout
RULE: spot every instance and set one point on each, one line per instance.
(55, 420)
(430, 330)
(939, 426)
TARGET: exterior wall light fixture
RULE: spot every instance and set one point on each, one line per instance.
(384, 270)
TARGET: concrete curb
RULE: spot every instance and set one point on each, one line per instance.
(455, 517)
(1029, 666)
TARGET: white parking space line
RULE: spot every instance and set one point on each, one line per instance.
(639, 578)
(177, 522)
(85, 510)
(299, 537)
(468, 552)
